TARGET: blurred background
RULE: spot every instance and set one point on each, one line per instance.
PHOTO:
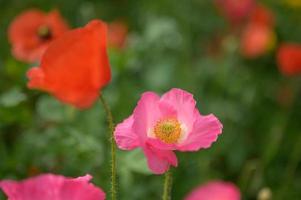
(194, 45)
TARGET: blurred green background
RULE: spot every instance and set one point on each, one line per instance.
(185, 44)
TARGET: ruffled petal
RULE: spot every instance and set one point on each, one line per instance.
(10, 188)
(146, 114)
(205, 131)
(159, 161)
(50, 187)
(81, 189)
(183, 103)
(125, 137)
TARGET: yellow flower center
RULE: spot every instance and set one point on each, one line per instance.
(168, 130)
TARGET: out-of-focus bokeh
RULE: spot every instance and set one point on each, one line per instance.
(194, 45)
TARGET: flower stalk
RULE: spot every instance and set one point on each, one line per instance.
(113, 147)
(167, 186)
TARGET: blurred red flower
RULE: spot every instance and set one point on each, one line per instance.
(262, 15)
(75, 66)
(289, 59)
(258, 36)
(117, 34)
(31, 32)
(256, 40)
(235, 11)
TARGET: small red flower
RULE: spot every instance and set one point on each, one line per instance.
(117, 34)
(75, 66)
(256, 40)
(235, 11)
(262, 15)
(258, 36)
(289, 59)
(31, 32)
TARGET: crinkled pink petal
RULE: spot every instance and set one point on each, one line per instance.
(81, 189)
(125, 137)
(183, 103)
(215, 190)
(159, 161)
(167, 109)
(146, 114)
(205, 131)
(156, 143)
(52, 187)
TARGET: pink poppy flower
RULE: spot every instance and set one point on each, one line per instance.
(52, 187)
(160, 125)
(215, 190)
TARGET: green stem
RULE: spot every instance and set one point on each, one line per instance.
(167, 186)
(113, 147)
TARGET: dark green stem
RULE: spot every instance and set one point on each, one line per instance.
(113, 147)
(167, 186)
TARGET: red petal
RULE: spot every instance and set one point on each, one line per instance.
(76, 65)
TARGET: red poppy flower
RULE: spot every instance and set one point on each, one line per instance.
(262, 15)
(256, 40)
(31, 32)
(258, 36)
(289, 59)
(75, 66)
(117, 34)
(235, 11)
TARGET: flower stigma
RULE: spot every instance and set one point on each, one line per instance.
(168, 130)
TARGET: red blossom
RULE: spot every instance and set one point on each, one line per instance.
(289, 59)
(235, 11)
(262, 15)
(117, 34)
(31, 32)
(258, 35)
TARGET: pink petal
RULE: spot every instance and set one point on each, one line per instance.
(146, 114)
(44, 187)
(124, 135)
(183, 103)
(215, 190)
(10, 188)
(52, 187)
(81, 189)
(156, 143)
(205, 131)
(167, 109)
(159, 161)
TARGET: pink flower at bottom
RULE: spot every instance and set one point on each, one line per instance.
(160, 125)
(215, 190)
(52, 187)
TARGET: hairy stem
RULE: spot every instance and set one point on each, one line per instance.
(113, 147)
(167, 186)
